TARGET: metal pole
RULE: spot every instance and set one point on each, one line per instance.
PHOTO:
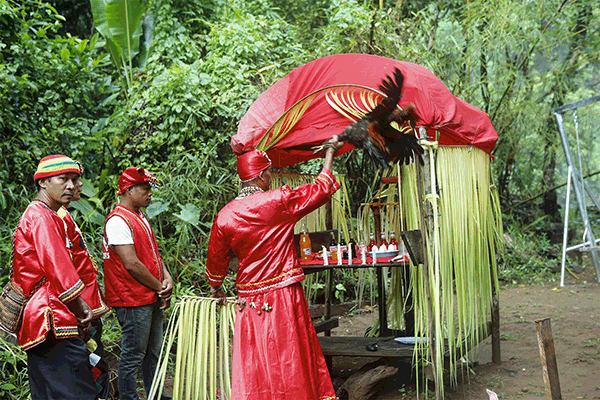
(578, 192)
(578, 246)
(566, 229)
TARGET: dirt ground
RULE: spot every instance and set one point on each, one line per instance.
(574, 311)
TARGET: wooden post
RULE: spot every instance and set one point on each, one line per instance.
(427, 227)
(329, 273)
(383, 325)
(383, 328)
(409, 316)
(496, 355)
(548, 358)
(377, 221)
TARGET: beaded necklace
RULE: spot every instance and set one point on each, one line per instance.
(248, 190)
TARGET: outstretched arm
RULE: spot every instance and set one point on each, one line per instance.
(331, 148)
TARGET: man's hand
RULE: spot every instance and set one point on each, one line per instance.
(164, 304)
(84, 322)
(165, 294)
(331, 146)
(333, 143)
(219, 294)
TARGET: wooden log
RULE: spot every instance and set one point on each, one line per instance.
(548, 358)
(364, 383)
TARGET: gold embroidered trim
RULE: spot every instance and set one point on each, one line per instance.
(270, 280)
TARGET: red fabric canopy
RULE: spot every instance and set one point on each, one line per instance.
(458, 122)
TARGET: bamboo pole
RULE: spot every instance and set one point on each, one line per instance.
(424, 180)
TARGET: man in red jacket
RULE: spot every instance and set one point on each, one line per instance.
(137, 283)
(86, 268)
(56, 319)
(276, 352)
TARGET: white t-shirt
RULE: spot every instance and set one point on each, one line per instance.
(118, 232)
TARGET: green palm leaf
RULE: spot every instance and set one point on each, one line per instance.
(120, 22)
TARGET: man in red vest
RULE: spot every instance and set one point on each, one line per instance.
(137, 283)
(56, 319)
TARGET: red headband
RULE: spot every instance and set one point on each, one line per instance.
(135, 176)
(252, 163)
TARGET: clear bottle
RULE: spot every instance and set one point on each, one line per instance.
(393, 246)
(333, 247)
(305, 245)
(362, 249)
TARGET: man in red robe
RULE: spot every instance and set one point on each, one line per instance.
(276, 352)
(56, 319)
(137, 283)
(86, 268)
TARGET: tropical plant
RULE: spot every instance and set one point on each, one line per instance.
(128, 31)
(13, 372)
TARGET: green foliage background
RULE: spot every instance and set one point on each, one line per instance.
(59, 92)
(210, 59)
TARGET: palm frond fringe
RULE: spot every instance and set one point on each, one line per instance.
(462, 254)
(203, 333)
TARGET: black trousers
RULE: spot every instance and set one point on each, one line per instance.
(59, 369)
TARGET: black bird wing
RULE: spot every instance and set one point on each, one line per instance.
(391, 86)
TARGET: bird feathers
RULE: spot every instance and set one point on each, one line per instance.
(374, 133)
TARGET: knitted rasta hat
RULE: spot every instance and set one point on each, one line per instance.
(56, 165)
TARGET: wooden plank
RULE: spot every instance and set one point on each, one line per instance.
(390, 180)
(318, 310)
(327, 325)
(387, 347)
(357, 347)
(548, 358)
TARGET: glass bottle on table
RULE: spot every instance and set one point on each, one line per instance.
(305, 245)
(384, 243)
(343, 248)
(333, 247)
(362, 250)
(353, 248)
(393, 246)
(372, 242)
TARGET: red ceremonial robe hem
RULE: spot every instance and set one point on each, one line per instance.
(277, 355)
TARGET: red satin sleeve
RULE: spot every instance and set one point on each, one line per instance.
(219, 252)
(308, 197)
(49, 239)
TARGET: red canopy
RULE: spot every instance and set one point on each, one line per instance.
(458, 122)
